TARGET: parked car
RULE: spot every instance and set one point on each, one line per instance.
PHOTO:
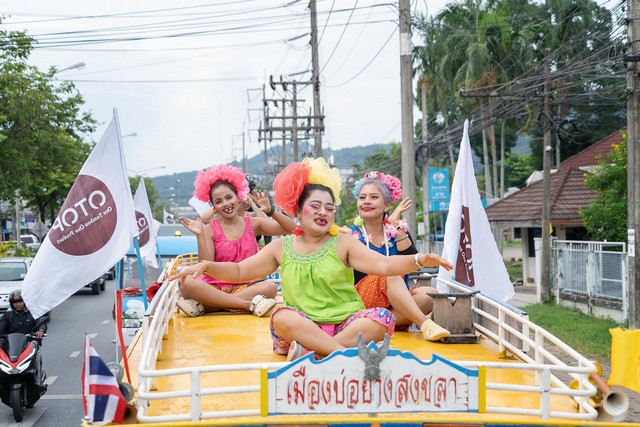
(12, 272)
(111, 273)
(30, 241)
(97, 285)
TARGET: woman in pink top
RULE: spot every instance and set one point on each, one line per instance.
(229, 238)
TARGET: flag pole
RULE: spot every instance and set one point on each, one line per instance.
(141, 271)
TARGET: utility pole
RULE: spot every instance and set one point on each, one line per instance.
(266, 125)
(244, 154)
(16, 220)
(315, 80)
(294, 122)
(286, 124)
(425, 168)
(406, 108)
(544, 290)
(633, 160)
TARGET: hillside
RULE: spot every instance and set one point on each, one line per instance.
(179, 186)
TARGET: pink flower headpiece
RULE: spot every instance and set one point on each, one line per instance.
(390, 181)
(231, 174)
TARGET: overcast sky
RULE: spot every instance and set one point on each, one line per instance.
(186, 75)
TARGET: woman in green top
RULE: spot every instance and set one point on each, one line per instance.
(322, 310)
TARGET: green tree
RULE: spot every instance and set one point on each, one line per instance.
(606, 217)
(589, 100)
(41, 129)
(152, 194)
(517, 169)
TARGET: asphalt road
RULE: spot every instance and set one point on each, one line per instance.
(62, 358)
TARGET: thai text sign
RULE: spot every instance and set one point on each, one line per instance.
(336, 384)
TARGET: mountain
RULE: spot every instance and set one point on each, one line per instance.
(179, 186)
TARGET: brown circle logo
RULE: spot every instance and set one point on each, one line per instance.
(143, 229)
(87, 219)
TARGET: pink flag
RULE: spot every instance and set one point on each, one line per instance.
(92, 232)
(468, 242)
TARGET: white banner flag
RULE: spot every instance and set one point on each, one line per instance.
(200, 206)
(92, 232)
(167, 218)
(468, 242)
(146, 226)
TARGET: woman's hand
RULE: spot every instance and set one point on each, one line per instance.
(194, 271)
(261, 198)
(402, 207)
(194, 226)
(433, 260)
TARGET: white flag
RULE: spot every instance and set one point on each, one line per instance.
(167, 218)
(146, 226)
(92, 232)
(200, 206)
(468, 242)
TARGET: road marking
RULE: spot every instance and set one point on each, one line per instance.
(61, 397)
(30, 417)
(106, 322)
(92, 335)
(50, 380)
(75, 354)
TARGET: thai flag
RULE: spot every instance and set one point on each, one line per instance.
(102, 399)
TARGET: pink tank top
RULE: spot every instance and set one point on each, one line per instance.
(231, 250)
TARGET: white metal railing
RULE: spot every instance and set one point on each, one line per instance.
(505, 322)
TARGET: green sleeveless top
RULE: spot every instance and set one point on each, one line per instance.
(318, 284)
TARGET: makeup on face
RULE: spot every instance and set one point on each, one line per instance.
(224, 200)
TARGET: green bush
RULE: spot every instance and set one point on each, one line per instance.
(10, 248)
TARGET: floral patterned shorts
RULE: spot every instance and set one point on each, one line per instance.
(377, 314)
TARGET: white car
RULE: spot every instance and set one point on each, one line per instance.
(12, 272)
(30, 241)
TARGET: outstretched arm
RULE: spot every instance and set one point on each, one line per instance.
(259, 265)
(358, 256)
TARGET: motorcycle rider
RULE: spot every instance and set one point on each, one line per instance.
(19, 319)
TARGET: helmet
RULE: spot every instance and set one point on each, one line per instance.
(252, 181)
(15, 295)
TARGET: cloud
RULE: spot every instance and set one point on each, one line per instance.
(187, 77)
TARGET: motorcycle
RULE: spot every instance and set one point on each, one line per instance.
(20, 363)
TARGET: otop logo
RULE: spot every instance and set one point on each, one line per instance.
(143, 229)
(87, 219)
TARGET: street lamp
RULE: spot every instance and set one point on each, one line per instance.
(141, 172)
(78, 66)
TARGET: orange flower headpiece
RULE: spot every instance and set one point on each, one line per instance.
(288, 185)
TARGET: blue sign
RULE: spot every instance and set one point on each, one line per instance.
(438, 205)
(439, 184)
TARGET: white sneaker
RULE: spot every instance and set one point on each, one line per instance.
(190, 307)
(261, 305)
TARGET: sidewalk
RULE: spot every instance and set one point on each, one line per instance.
(525, 295)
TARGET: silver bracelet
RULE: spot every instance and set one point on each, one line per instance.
(417, 260)
(406, 236)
